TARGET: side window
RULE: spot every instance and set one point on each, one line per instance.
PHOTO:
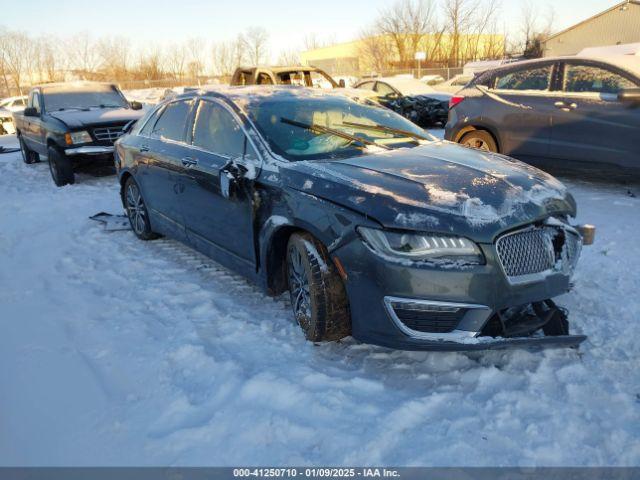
(35, 101)
(538, 78)
(148, 126)
(367, 86)
(588, 78)
(383, 89)
(216, 131)
(172, 121)
(264, 79)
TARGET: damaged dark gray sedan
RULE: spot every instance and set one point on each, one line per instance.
(376, 230)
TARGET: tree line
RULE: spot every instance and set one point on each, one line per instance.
(450, 32)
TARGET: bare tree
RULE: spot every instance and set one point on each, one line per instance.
(16, 53)
(255, 43)
(83, 53)
(176, 60)
(289, 57)
(197, 56)
(114, 54)
(375, 51)
(227, 56)
(534, 29)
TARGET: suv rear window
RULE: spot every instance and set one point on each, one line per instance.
(592, 79)
(538, 78)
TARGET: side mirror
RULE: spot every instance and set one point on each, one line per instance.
(136, 105)
(341, 83)
(629, 95)
(31, 112)
(231, 177)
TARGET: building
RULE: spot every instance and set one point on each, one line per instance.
(616, 26)
(380, 54)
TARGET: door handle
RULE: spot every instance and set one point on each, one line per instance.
(144, 148)
(565, 107)
(189, 161)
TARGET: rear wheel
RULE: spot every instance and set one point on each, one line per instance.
(60, 167)
(480, 139)
(318, 297)
(137, 211)
(28, 155)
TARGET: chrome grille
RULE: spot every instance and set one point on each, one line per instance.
(527, 251)
(108, 134)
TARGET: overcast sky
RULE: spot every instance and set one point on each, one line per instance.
(287, 21)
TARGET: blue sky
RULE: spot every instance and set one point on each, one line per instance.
(287, 21)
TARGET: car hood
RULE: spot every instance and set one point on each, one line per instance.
(96, 116)
(438, 187)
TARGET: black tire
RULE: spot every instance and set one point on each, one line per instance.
(28, 155)
(479, 139)
(318, 296)
(137, 211)
(60, 167)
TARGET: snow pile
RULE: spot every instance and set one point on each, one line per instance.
(121, 352)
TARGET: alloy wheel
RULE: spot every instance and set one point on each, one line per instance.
(135, 209)
(299, 287)
(478, 143)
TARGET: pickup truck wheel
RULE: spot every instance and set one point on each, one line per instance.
(318, 296)
(28, 156)
(137, 211)
(60, 167)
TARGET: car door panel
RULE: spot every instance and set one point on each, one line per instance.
(595, 126)
(523, 102)
(214, 222)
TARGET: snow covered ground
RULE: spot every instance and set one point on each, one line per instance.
(120, 352)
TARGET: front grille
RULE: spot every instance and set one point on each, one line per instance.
(108, 134)
(428, 318)
(538, 249)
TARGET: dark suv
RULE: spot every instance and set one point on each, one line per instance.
(574, 108)
(373, 229)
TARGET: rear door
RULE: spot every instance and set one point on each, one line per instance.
(164, 156)
(520, 103)
(216, 224)
(589, 122)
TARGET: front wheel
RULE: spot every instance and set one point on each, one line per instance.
(60, 167)
(479, 139)
(318, 296)
(137, 211)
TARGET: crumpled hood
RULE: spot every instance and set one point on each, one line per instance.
(440, 96)
(96, 116)
(438, 187)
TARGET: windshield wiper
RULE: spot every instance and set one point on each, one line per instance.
(398, 131)
(319, 129)
(61, 109)
(103, 105)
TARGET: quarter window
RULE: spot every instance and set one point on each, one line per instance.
(172, 121)
(216, 131)
(530, 79)
(383, 89)
(591, 79)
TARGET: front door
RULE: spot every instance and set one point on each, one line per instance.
(521, 101)
(590, 123)
(221, 226)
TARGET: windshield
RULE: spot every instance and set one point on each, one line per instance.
(67, 98)
(284, 124)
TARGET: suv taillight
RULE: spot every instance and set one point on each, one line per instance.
(455, 100)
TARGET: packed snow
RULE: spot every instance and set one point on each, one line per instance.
(115, 351)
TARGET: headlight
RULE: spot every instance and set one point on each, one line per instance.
(422, 247)
(74, 138)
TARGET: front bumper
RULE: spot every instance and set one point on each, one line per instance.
(480, 291)
(90, 150)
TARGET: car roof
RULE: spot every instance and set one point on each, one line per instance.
(283, 68)
(630, 63)
(248, 92)
(406, 85)
(73, 85)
